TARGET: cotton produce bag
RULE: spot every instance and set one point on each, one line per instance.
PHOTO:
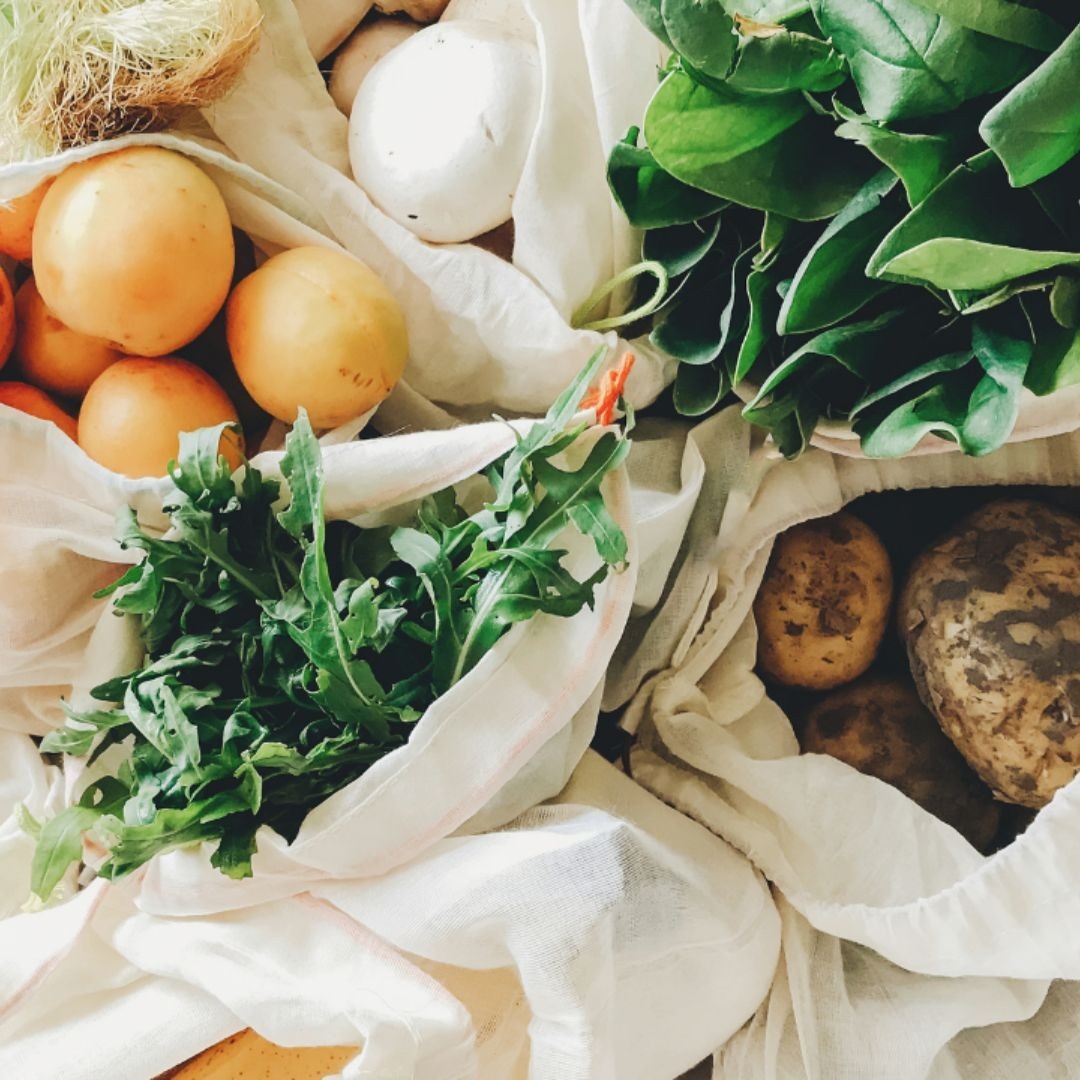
(857, 863)
(484, 333)
(600, 937)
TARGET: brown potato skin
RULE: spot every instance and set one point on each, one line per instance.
(990, 616)
(824, 603)
(880, 727)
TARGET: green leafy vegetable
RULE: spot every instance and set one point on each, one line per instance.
(895, 197)
(285, 653)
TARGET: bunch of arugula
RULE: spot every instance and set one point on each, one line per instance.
(285, 654)
(868, 210)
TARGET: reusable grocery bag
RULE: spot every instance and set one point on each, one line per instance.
(599, 937)
(958, 940)
(484, 333)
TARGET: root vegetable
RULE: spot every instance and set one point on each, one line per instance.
(17, 223)
(441, 128)
(135, 248)
(990, 616)
(35, 402)
(421, 11)
(133, 415)
(880, 727)
(824, 604)
(316, 329)
(371, 42)
(50, 355)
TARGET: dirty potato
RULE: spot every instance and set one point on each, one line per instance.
(880, 727)
(990, 616)
(824, 604)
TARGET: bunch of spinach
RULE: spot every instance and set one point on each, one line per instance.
(285, 654)
(867, 210)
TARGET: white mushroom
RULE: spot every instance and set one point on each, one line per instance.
(373, 39)
(327, 23)
(441, 128)
(509, 14)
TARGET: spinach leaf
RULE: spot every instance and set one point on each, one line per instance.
(1035, 128)
(698, 390)
(921, 161)
(972, 232)
(753, 151)
(771, 59)
(1055, 362)
(702, 33)
(910, 62)
(1002, 19)
(650, 197)
(830, 283)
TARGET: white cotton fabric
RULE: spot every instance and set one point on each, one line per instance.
(599, 937)
(958, 940)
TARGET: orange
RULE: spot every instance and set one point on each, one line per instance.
(17, 223)
(29, 399)
(52, 356)
(136, 409)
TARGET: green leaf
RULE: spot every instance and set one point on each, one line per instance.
(1002, 19)
(831, 283)
(940, 365)
(921, 161)
(698, 390)
(690, 127)
(752, 151)
(764, 303)
(1055, 363)
(679, 248)
(995, 402)
(1065, 301)
(855, 346)
(1035, 128)
(59, 846)
(909, 62)
(648, 11)
(650, 197)
(702, 32)
(972, 232)
(938, 411)
(233, 854)
(690, 332)
(775, 60)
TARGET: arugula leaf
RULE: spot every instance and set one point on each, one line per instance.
(59, 845)
(909, 62)
(1035, 128)
(286, 654)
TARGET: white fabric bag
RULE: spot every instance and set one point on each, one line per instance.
(483, 333)
(853, 857)
(601, 937)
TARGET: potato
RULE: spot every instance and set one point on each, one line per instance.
(316, 329)
(50, 355)
(17, 220)
(135, 248)
(35, 402)
(880, 727)
(133, 415)
(990, 616)
(824, 603)
(248, 1055)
